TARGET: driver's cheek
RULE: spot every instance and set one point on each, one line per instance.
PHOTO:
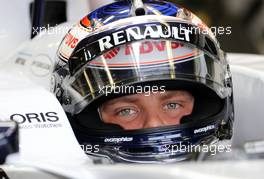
(135, 124)
(155, 119)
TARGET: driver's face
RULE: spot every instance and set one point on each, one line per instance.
(139, 111)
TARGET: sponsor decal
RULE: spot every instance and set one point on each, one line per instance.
(41, 65)
(204, 129)
(146, 32)
(71, 41)
(118, 139)
(20, 61)
(110, 39)
(148, 47)
(22, 58)
(112, 53)
(36, 120)
(144, 48)
(254, 147)
(145, 53)
(165, 137)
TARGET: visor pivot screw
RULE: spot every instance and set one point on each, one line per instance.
(66, 100)
(138, 8)
(183, 13)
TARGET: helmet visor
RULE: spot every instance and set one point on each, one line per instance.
(142, 61)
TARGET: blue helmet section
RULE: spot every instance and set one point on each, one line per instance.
(122, 9)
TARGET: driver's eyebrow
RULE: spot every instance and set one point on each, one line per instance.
(124, 99)
(170, 94)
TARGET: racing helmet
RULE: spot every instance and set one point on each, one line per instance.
(137, 44)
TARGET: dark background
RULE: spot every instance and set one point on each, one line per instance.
(246, 17)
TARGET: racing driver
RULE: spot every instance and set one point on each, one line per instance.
(141, 78)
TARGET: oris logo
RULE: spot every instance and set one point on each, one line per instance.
(35, 117)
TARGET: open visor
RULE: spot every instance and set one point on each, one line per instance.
(140, 62)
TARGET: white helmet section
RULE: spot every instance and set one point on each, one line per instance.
(35, 59)
(72, 38)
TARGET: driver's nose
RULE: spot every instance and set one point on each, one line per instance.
(153, 119)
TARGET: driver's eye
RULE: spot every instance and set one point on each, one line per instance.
(171, 106)
(126, 112)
